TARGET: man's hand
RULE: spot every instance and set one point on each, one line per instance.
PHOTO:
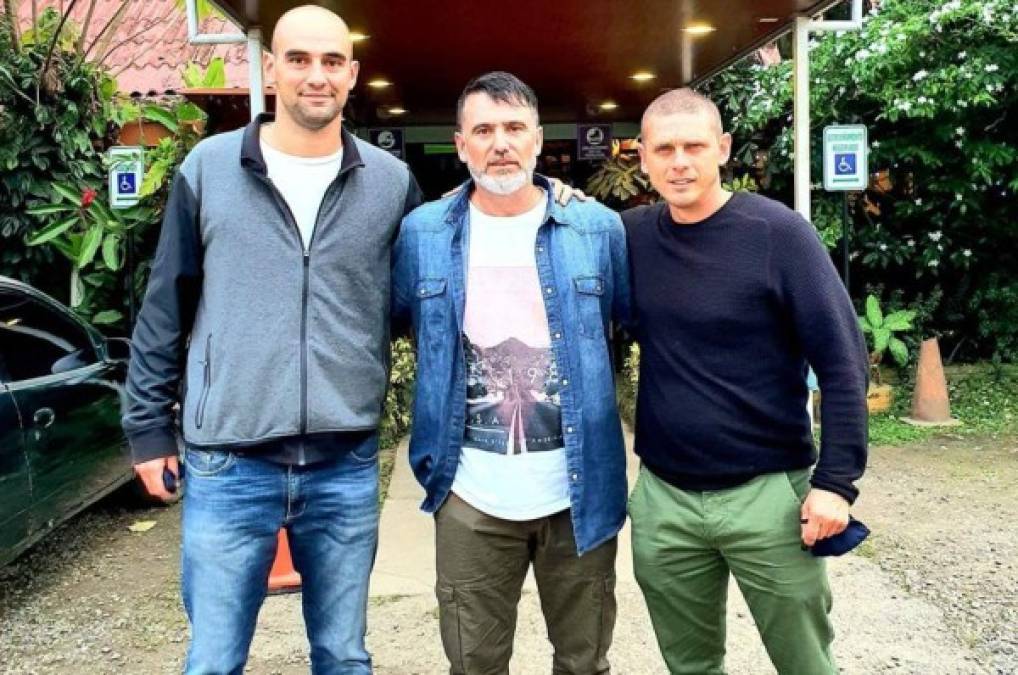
(824, 514)
(563, 193)
(151, 475)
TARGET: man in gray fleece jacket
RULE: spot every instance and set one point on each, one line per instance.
(268, 306)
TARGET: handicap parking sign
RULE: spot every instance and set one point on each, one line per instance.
(845, 158)
(844, 165)
(126, 183)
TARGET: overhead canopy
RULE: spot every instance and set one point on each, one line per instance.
(577, 55)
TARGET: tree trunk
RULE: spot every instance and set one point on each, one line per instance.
(11, 17)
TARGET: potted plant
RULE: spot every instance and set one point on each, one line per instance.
(880, 331)
(619, 181)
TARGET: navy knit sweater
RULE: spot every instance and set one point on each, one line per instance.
(729, 311)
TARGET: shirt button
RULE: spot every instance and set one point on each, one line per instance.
(569, 430)
(565, 382)
(422, 292)
(558, 336)
(575, 477)
(547, 290)
(540, 249)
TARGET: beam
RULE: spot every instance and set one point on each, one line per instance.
(253, 38)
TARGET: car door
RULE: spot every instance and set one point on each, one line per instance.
(69, 401)
(15, 491)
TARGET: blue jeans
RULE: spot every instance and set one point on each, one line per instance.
(234, 507)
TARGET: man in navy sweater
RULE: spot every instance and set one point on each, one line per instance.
(734, 294)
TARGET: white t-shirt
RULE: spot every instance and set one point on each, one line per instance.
(513, 464)
(302, 181)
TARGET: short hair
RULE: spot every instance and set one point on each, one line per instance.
(499, 86)
(682, 101)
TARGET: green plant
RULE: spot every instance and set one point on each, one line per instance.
(618, 180)
(936, 84)
(881, 331)
(399, 398)
(212, 77)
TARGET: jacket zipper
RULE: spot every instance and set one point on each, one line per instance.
(305, 292)
(199, 413)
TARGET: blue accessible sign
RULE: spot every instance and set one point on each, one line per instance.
(845, 158)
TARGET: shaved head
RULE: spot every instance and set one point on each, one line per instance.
(682, 101)
(300, 19)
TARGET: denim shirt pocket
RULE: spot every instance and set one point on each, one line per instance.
(589, 290)
(431, 296)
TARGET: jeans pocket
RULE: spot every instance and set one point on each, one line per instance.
(365, 453)
(208, 463)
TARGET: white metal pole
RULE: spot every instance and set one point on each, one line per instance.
(800, 116)
(256, 91)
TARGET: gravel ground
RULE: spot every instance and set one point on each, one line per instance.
(933, 592)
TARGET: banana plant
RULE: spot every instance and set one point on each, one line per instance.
(881, 330)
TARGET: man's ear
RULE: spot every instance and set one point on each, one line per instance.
(269, 67)
(725, 145)
(460, 142)
(355, 69)
(540, 141)
(639, 148)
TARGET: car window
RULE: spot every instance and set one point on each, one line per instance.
(37, 340)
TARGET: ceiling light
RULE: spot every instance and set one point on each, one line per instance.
(609, 105)
(768, 19)
(356, 36)
(396, 110)
(699, 29)
(642, 76)
(379, 83)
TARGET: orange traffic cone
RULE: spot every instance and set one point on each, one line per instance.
(283, 578)
(930, 405)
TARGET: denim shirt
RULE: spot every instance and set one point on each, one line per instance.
(582, 266)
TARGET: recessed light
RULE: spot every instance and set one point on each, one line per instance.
(609, 105)
(699, 29)
(768, 19)
(642, 76)
(357, 36)
(379, 83)
(396, 110)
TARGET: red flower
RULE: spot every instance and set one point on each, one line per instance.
(87, 197)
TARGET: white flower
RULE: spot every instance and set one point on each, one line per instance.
(910, 242)
(922, 99)
(933, 263)
(991, 68)
(919, 201)
(862, 54)
(936, 236)
(958, 144)
(905, 105)
(957, 196)
(962, 55)
(883, 247)
(921, 75)
(940, 247)
(960, 131)
(967, 253)
(875, 144)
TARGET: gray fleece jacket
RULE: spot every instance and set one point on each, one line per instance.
(266, 341)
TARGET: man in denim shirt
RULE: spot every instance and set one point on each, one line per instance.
(516, 435)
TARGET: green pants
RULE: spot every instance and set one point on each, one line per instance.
(686, 542)
(481, 564)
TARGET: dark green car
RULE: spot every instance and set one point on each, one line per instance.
(61, 446)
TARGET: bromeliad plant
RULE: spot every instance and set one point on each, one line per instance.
(881, 332)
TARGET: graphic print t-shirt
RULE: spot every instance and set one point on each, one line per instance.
(513, 464)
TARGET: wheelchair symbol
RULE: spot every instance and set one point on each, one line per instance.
(844, 164)
(125, 183)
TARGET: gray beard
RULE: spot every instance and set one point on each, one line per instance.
(504, 185)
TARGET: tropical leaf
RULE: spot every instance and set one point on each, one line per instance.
(898, 350)
(873, 313)
(89, 246)
(900, 320)
(881, 336)
(107, 317)
(52, 231)
(67, 192)
(48, 209)
(111, 251)
(215, 74)
(155, 113)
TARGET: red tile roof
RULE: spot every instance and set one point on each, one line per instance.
(149, 48)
